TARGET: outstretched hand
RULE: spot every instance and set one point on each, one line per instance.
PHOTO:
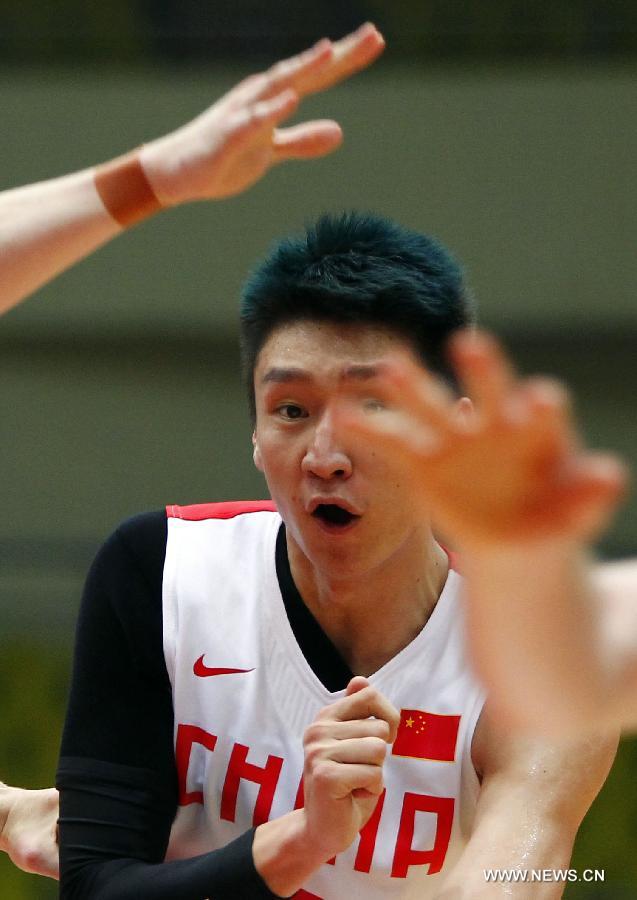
(233, 143)
(508, 469)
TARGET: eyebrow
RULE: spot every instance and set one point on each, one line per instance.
(283, 375)
(361, 372)
(279, 375)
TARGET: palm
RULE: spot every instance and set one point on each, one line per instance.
(234, 143)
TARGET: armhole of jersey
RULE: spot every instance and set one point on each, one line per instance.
(476, 712)
(169, 603)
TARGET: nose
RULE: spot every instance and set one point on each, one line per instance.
(325, 455)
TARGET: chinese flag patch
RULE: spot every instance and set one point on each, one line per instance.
(425, 735)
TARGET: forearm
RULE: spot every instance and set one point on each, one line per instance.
(533, 797)
(223, 874)
(114, 826)
(522, 599)
(45, 228)
(507, 870)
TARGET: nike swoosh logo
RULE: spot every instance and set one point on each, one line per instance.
(204, 672)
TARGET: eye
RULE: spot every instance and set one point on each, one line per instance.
(371, 404)
(291, 411)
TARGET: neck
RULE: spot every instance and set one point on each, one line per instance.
(371, 617)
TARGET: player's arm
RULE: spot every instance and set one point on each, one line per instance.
(507, 482)
(28, 828)
(554, 636)
(49, 226)
(533, 797)
(531, 581)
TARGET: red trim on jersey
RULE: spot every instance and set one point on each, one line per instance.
(454, 560)
(227, 509)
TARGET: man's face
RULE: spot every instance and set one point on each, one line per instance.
(348, 506)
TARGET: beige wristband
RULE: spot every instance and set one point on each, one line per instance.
(125, 190)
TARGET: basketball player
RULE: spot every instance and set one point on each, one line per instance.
(273, 697)
(47, 227)
(553, 635)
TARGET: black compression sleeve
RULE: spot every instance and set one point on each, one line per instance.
(117, 774)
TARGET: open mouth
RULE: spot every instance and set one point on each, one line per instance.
(331, 514)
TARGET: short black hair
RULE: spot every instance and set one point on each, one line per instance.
(357, 268)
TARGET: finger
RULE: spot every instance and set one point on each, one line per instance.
(594, 486)
(370, 751)
(412, 389)
(361, 705)
(351, 54)
(261, 117)
(340, 780)
(483, 369)
(394, 431)
(289, 73)
(268, 113)
(322, 731)
(550, 410)
(404, 407)
(427, 398)
(308, 140)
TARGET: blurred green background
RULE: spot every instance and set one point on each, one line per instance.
(508, 129)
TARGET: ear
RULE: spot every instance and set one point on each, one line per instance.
(464, 411)
(256, 453)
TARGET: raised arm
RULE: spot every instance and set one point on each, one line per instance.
(49, 226)
(506, 481)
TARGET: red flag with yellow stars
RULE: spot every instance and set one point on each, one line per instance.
(425, 735)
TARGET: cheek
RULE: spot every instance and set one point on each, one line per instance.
(390, 475)
(277, 460)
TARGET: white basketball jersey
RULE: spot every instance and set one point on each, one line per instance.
(243, 695)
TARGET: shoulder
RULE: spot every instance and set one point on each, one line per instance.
(137, 544)
(143, 533)
(128, 570)
(126, 574)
